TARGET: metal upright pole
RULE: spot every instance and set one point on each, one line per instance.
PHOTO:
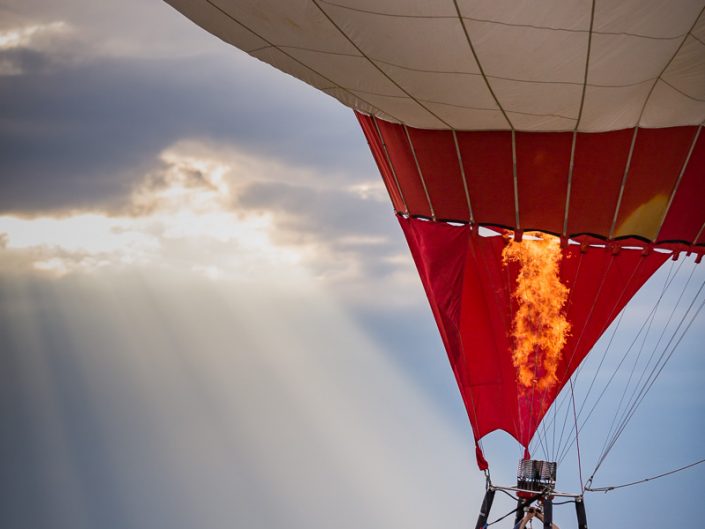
(548, 513)
(521, 503)
(580, 511)
(485, 509)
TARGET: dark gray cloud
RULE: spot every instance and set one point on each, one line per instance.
(84, 134)
(355, 231)
(78, 129)
(18, 61)
(329, 212)
(81, 124)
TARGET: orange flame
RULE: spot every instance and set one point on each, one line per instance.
(540, 329)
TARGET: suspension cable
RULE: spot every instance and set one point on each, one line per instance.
(564, 450)
(639, 388)
(660, 369)
(567, 306)
(592, 308)
(656, 371)
(577, 439)
(515, 509)
(613, 487)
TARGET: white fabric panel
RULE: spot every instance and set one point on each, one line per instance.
(699, 30)
(667, 107)
(469, 119)
(455, 89)
(424, 73)
(617, 60)
(540, 99)
(213, 20)
(540, 123)
(288, 23)
(356, 73)
(351, 100)
(408, 8)
(655, 18)
(613, 108)
(567, 14)
(282, 62)
(405, 110)
(686, 72)
(528, 53)
(432, 44)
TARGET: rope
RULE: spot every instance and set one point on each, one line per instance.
(661, 335)
(564, 398)
(602, 360)
(663, 360)
(556, 408)
(604, 328)
(639, 388)
(587, 320)
(568, 304)
(565, 449)
(528, 502)
(613, 487)
(503, 516)
(577, 440)
(660, 369)
(512, 496)
(647, 323)
(564, 395)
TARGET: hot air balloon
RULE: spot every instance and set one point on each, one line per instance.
(570, 130)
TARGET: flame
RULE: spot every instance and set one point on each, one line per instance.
(540, 329)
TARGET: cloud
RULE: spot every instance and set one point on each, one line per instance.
(83, 135)
(224, 214)
(90, 106)
(37, 48)
(92, 130)
(30, 36)
(130, 28)
(179, 218)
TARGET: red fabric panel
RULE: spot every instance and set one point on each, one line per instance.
(470, 293)
(486, 372)
(439, 252)
(375, 143)
(687, 212)
(604, 285)
(542, 169)
(542, 176)
(598, 169)
(657, 160)
(487, 160)
(405, 167)
(440, 167)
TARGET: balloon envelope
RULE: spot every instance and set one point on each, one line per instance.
(575, 118)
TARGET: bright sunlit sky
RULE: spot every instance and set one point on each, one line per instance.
(209, 317)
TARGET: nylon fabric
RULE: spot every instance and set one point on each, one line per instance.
(637, 193)
(471, 294)
(421, 63)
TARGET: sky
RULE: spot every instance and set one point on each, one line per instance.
(209, 317)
